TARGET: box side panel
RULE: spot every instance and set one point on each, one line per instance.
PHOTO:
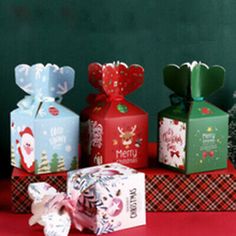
(22, 141)
(96, 141)
(57, 144)
(122, 202)
(172, 143)
(127, 140)
(207, 143)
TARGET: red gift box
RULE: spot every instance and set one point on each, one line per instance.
(113, 129)
(21, 203)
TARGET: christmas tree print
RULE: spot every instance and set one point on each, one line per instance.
(61, 164)
(36, 166)
(54, 163)
(74, 163)
(43, 165)
(13, 157)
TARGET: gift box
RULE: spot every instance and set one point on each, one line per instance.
(44, 134)
(20, 180)
(192, 132)
(112, 195)
(232, 132)
(168, 191)
(165, 190)
(113, 129)
(103, 199)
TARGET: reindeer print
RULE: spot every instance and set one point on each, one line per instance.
(127, 136)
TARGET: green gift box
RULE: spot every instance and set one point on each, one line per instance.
(193, 133)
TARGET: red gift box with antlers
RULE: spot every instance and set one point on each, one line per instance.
(113, 129)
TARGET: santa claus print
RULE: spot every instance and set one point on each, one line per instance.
(25, 149)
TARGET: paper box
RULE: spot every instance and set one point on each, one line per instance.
(20, 180)
(232, 132)
(192, 132)
(44, 134)
(169, 191)
(112, 196)
(113, 129)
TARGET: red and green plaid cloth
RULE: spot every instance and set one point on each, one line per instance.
(211, 191)
(165, 190)
(21, 202)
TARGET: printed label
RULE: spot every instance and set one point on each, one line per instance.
(96, 132)
(130, 144)
(208, 141)
(127, 156)
(57, 137)
(133, 202)
(172, 142)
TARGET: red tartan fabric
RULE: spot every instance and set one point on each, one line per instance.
(20, 180)
(165, 190)
(211, 191)
(182, 223)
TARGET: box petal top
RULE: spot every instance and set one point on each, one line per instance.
(116, 79)
(194, 80)
(44, 81)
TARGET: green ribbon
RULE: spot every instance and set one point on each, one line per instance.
(183, 102)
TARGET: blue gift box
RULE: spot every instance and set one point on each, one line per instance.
(44, 134)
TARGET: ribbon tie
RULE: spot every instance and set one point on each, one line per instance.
(205, 154)
(183, 102)
(27, 103)
(172, 153)
(56, 211)
(176, 100)
(101, 97)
